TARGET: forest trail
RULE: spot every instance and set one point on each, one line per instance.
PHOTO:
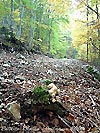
(79, 92)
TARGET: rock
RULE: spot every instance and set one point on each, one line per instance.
(14, 109)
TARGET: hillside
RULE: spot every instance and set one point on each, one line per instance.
(79, 92)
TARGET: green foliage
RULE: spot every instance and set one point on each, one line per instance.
(4, 8)
(36, 19)
(47, 81)
(58, 41)
(85, 30)
(7, 33)
(93, 2)
(91, 70)
(41, 95)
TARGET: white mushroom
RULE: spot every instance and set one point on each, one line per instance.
(53, 91)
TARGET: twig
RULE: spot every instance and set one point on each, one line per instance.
(92, 122)
(64, 121)
(92, 100)
(98, 114)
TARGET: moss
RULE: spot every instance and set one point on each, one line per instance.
(41, 95)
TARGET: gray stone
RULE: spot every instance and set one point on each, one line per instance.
(14, 109)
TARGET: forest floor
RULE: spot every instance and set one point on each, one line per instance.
(79, 92)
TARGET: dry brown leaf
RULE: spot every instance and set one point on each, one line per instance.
(50, 113)
(55, 122)
(71, 117)
(47, 130)
(77, 99)
(17, 85)
(67, 130)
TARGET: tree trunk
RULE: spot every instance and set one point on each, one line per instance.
(97, 10)
(6, 17)
(21, 8)
(31, 28)
(12, 16)
(87, 33)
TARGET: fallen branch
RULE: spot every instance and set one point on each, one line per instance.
(64, 121)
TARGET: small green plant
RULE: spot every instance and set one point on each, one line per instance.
(91, 70)
(41, 95)
(47, 81)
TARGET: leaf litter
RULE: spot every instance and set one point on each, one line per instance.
(79, 92)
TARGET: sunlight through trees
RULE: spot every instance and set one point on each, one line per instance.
(56, 27)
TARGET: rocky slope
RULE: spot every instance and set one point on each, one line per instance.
(79, 92)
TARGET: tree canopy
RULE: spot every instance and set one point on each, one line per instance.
(37, 22)
(55, 27)
(86, 30)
